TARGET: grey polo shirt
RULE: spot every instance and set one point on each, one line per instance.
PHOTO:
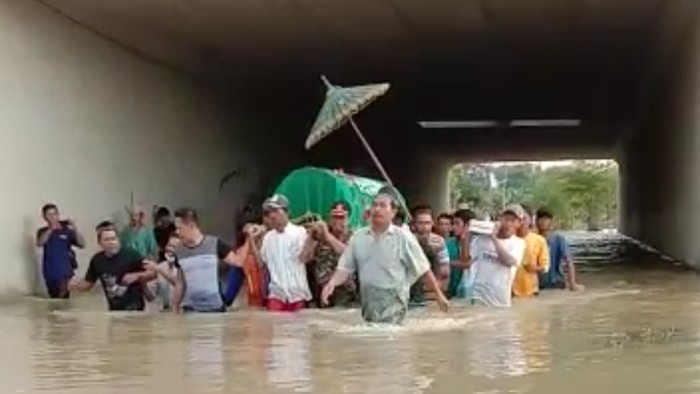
(387, 264)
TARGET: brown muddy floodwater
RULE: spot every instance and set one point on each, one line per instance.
(636, 329)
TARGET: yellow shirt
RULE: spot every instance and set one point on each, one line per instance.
(536, 260)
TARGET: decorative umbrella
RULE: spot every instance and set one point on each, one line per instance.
(341, 104)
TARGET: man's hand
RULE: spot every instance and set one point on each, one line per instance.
(130, 278)
(73, 284)
(442, 301)
(149, 265)
(70, 224)
(322, 229)
(327, 292)
(436, 242)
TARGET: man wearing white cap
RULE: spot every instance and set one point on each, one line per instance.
(280, 251)
(495, 259)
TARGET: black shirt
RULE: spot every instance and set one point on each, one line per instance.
(110, 270)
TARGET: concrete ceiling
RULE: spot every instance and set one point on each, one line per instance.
(446, 59)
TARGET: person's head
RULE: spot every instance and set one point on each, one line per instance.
(107, 237)
(423, 220)
(544, 219)
(526, 223)
(50, 214)
(187, 224)
(444, 224)
(137, 215)
(383, 211)
(338, 218)
(276, 211)
(162, 216)
(460, 221)
(510, 220)
(173, 242)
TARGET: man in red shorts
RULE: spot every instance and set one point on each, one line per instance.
(280, 252)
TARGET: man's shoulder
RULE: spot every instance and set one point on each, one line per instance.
(98, 257)
(536, 238)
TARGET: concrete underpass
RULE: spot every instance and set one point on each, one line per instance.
(163, 97)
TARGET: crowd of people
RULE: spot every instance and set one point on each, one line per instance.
(385, 268)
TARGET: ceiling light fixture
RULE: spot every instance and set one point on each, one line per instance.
(466, 124)
(545, 123)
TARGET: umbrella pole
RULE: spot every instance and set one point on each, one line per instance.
(370, 151)
(377, 162)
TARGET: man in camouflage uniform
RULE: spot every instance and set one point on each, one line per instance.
(435, 250)
(322, 251)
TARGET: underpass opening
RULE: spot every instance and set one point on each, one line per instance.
(583, 194)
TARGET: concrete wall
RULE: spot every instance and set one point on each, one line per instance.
(84, 123)
(661, 160)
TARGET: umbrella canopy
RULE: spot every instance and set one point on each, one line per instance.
(340, 105)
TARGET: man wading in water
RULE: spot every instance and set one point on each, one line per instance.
(388, 261)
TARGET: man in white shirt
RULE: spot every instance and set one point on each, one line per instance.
(280, 250)
(495, 259)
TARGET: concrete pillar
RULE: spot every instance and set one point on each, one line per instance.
(425, 180)
(662, 159)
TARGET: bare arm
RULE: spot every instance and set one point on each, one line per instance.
(465, 258)
(336, 244)
(80, 285)
(504, 257)
(431, 282)
(179, 289)
(339, 277)
(79, 238)
(165, 271)
(307, 251)
(234, 259)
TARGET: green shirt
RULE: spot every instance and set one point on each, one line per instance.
(140, 239)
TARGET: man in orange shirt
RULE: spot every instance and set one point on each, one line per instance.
(536, 259)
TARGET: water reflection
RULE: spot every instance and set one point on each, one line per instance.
(287, 358)
(635, 330)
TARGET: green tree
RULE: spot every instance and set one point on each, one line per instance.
(582, 194)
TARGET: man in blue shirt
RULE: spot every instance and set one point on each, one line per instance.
(57, 239)
(556, 277)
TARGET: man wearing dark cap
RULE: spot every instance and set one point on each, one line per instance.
(495, 258)
(388, 260)
(281, 251)
(323, 247)
(556, 277)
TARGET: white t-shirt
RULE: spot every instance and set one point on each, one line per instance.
(493, 281)
(280, 252)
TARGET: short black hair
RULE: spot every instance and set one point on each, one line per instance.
(343, 204)
(465, 215)
(187, 215)
(162, 212)
(544, 213)
(393, 195)
(104, 226)
(444, 215)
(422, 209)
(47, 207)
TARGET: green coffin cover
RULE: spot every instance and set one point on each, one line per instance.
(312, 190)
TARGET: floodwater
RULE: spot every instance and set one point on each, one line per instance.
(636, 329)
